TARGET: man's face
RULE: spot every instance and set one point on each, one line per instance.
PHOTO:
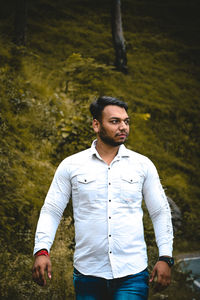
(113, 129)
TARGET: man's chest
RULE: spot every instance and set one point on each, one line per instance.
(121, 181)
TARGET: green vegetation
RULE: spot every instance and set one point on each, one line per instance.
(45, 91)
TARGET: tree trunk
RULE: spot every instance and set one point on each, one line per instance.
(20, 22)
(118, 37)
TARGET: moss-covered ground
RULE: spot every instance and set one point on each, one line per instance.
(45, 90)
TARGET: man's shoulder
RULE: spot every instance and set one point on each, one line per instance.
(77, 156)
(139, 159)
(137, 156)
(73, 162)
(143, 162)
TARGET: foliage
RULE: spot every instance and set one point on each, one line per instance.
(24, 145)
(45, 91)
(16, 280)
(74, 129)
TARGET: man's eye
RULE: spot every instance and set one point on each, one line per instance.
(114, 121)
(127, 122)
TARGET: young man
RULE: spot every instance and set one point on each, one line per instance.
(107, 183)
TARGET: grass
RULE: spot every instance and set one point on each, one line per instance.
(45, 90)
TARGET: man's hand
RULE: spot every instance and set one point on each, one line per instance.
(161, 272)
(41, 264)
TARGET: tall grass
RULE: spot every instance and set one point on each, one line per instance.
(45, 91)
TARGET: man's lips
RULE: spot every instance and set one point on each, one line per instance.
(122, 135)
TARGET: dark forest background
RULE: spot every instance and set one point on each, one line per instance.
(55, 58)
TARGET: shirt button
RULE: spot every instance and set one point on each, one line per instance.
(109, 183)
(109, 200)
(110, 252)
(109, 217)
(109, 235)
(108, 168)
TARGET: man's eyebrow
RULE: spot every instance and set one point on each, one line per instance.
(116, 118)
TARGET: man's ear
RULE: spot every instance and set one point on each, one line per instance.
(95, 125)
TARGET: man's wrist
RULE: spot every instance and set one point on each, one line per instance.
(167, 259)
(42, 252)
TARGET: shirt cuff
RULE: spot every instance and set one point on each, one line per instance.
(41, 246)
(165, 250)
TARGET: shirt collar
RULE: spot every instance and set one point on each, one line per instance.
(123, 151)
(93, 147)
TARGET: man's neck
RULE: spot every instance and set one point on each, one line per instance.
(106, 152)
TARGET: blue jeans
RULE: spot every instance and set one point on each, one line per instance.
(132, 287)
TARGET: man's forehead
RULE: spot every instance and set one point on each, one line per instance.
(114, 111)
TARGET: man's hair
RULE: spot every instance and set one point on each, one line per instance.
(98, 106)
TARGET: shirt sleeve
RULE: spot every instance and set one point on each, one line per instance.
(159, 210)
(51, 213)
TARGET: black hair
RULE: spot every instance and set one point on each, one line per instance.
(98, 106)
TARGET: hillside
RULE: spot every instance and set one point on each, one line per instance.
(45, 91)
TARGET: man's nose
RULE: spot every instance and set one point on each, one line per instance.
(122, 125)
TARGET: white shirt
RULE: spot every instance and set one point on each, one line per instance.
(109, 237)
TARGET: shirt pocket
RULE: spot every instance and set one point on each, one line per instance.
(131, 188)
(87, 188)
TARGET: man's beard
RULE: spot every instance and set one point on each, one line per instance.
(107, 139)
